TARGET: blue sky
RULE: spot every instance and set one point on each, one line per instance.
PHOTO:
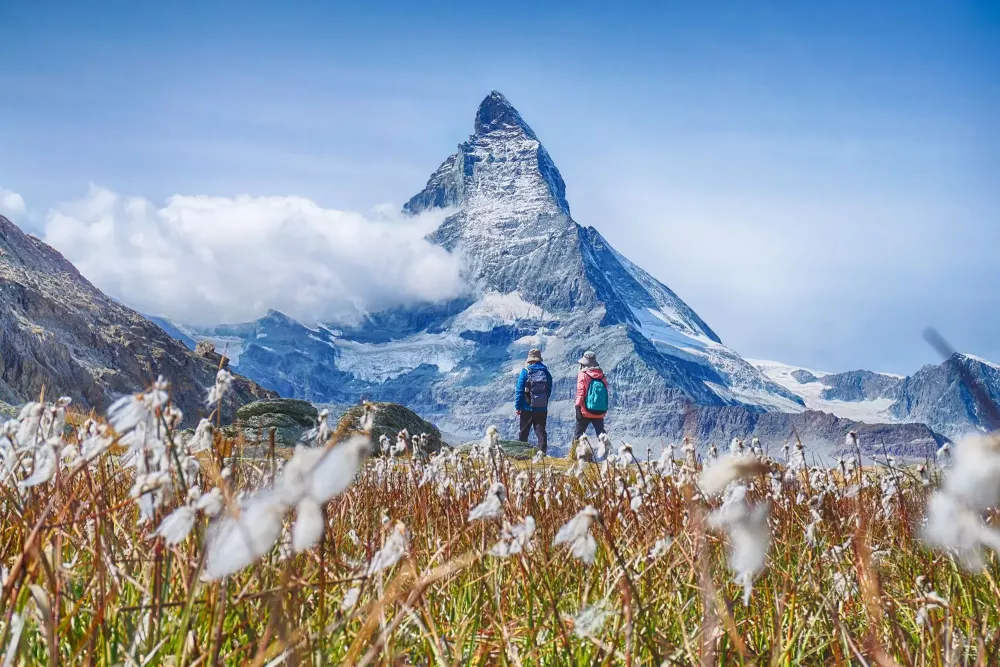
(819, 183)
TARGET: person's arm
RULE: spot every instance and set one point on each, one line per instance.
(581, 387)
(548, 394)
(519, 402)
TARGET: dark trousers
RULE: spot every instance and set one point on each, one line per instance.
(537, 420)
(583, 422)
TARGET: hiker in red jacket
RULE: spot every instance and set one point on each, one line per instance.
(592, 395)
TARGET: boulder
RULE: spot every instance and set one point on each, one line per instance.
(206, 349)
(390, 419)
(290, 417)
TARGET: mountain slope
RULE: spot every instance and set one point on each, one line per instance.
(59, 332)
(934, 395)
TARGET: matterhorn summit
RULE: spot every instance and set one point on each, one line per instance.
(536, 279)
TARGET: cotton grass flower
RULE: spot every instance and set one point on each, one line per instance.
(223, 383)
(309, 525)
(43, 467)
(492, 505)
(308, 480)
(730, 468)
(238, 541)
(576, 535)
(350, 598)
(660, 547)
(177, 525)
(393, 549)
(515, 539)
(971, 485)
(748, 533)
(591, 620)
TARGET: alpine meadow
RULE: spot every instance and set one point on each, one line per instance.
(307, 359)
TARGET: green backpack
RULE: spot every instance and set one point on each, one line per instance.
(597, 396)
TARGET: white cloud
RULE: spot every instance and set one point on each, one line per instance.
(203, 260)
(11, 203)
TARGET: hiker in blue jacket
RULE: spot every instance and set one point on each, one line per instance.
(531, 399)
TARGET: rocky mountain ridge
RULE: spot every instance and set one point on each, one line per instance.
(934, 395)
(60, 333)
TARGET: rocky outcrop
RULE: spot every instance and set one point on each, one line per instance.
(59, 332)
(289, 417)
(389, 420)
(860, 386)
(938, 396)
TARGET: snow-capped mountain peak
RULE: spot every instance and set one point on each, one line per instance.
(495, 113)
(538, 279)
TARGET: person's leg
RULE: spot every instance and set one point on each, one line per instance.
(525, 426)
(541, 418)
(598, 425)
(581, 425)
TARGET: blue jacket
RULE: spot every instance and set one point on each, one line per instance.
(520, 401)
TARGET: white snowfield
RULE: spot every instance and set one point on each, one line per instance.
(384, 361)
(870, 412)
(674, 336)
(494, 309)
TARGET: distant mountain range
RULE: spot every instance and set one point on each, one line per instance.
(61, 334)
(935, 395)
(538, 279)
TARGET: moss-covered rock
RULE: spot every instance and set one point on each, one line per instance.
(289, 417)
(516, 449)
(390, 419)
(7, 411)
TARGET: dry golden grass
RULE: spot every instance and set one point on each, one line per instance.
(93, 587)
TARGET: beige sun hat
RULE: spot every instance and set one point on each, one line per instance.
(588, 360)
(534, 355)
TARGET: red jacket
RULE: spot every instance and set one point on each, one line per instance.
(583, 380)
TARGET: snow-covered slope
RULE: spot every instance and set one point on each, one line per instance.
(809, 386)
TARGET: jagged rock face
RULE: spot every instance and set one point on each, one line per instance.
(937, 396)
(59, 332)
(515, 233)
(860, 386)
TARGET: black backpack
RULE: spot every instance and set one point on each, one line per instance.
(536, 389)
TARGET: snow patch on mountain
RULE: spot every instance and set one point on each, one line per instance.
(385, 361)
(985, 362)
(494, 309)
(875, 411)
